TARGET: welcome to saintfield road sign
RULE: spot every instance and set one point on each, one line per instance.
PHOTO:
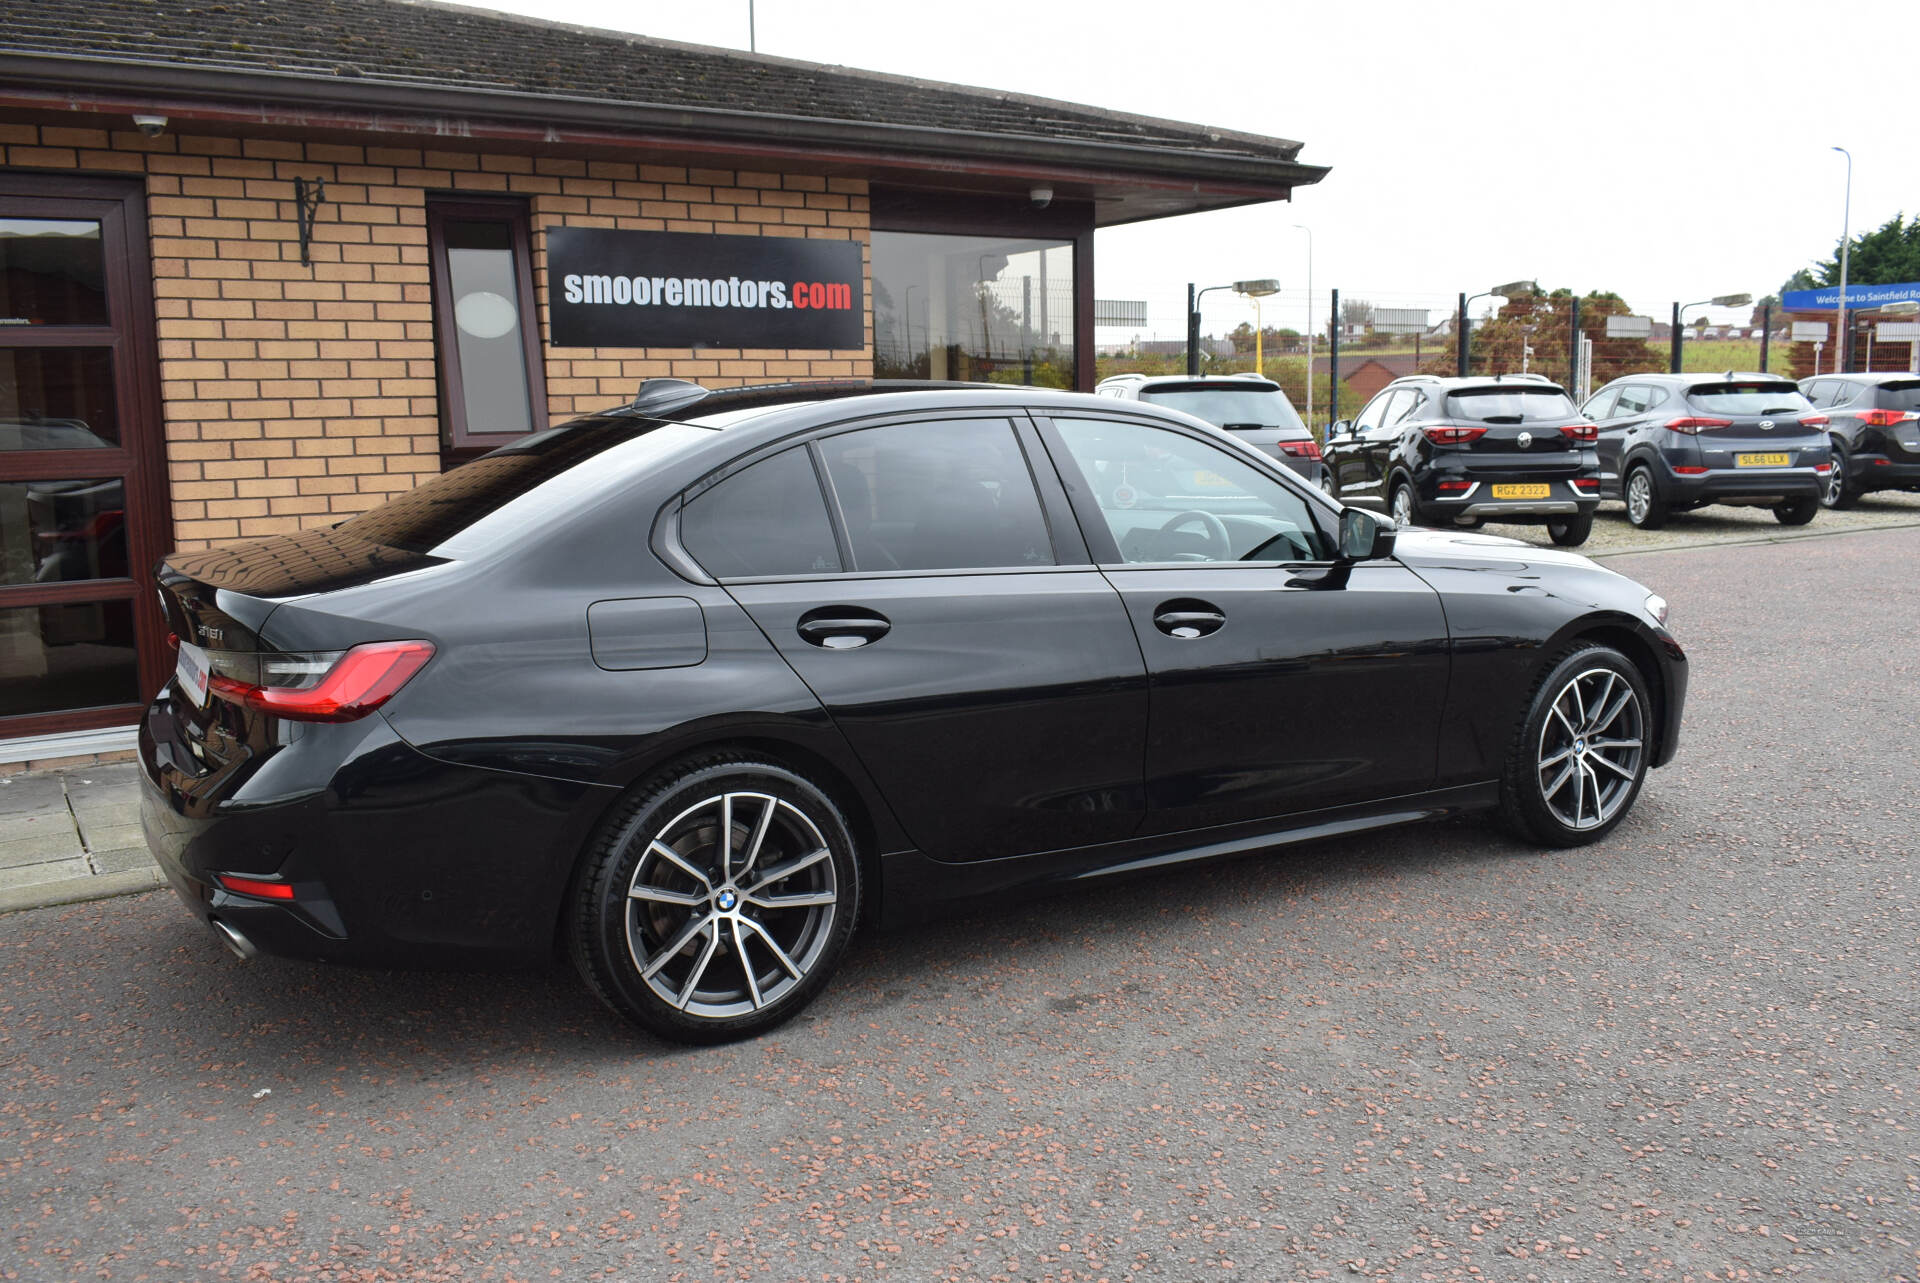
(1859, 297)
(675, 289)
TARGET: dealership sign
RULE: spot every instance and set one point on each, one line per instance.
(671, 289)
(1860, 298)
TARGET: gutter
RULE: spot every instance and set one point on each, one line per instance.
(291, 99)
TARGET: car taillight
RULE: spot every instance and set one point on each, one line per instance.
(1887, 418)
(1581, 432)
(1301, 449)
(259, 887)
(329, 686)
(1693, 425)
(1823, 467)
(1813, 420)
(1688, 470)
(1452, 487)
(1448, 435)
(1585, 483)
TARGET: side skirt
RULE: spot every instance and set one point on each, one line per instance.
(916, 887)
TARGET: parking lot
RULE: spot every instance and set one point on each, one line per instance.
(1689, 1052)
(1721, 524)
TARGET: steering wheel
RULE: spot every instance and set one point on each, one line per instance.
(1219, 545)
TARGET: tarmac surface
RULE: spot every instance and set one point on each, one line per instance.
(1691, 1051)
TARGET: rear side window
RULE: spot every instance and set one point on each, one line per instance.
(1904, 395)
(1509, 405)
(769, 518)
(937, 496)
(1228, 405)
(1749, 398)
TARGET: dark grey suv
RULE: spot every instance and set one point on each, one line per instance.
(1672, 442)
(1249, 406)
(1873, 429)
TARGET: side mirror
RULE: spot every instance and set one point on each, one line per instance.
(1343, 428)
(1364, 536)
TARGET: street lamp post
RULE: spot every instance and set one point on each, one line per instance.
(1679, 314)
(1846, 243)
(1302, 227)
(1257, 290)
(1193, 324)
(1512, 289)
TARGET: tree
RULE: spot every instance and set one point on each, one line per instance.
(1544, 321)
(1888, 256)
(1356, 311)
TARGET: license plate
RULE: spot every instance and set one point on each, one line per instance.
(192, 672)
(1531, 490)
(1762, 460)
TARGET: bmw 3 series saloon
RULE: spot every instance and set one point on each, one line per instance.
(689, 690)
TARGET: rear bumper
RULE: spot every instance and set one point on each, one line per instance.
(1879, 472)
(1479, 501)
(1750, 484)
(394, 858)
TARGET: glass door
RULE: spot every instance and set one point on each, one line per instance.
(82, 488)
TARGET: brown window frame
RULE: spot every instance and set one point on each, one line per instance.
(458, 443)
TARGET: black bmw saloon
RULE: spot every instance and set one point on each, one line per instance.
(689, 690)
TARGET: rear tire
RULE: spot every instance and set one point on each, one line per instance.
(1797, 512)
(702, 940)
(1582, 751)
(1405, 511)
(1570, 532)
(1645, 508)
(1328, 485)
(1838, 495)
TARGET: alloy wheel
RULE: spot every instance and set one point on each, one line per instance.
(1836, 481)
(1402, 506)
(1591, 749)
(1639, 496)
(731, 905)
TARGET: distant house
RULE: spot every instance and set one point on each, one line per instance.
(1373, 375)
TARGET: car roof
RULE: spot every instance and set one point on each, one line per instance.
(1693, 378)
(1862, 376)
(1451, 382)
(1144, 380)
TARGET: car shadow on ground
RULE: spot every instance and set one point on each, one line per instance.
(415, 1024)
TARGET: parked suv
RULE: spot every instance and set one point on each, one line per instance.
(1253, 408)
(1671, 442)
(1873, 430)
(1460, 452)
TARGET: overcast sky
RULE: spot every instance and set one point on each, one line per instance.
(1666, 151)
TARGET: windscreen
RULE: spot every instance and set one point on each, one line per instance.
(1749, 398)
(1904, 395)
(1228, 405)
(1509, 405)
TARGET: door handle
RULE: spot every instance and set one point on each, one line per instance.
(843, 627)
(1188, 619)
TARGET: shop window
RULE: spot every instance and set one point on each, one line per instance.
(985, 309)
(491, 384)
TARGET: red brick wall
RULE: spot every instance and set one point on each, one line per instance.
(292, 395)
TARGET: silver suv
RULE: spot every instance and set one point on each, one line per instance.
(1249, 406)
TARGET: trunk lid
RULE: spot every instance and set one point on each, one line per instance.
(1756, 412)
(1519, 426)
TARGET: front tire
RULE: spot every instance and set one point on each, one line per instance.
(717, 901)
(1570, 532)
(1645, 509)
(1582, 751)
(1797, 512)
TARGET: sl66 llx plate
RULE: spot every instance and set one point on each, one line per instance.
(1762, 460)
(1527, 490)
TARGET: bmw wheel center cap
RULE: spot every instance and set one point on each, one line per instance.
(728, 899)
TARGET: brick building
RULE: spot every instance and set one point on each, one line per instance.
(267, 263)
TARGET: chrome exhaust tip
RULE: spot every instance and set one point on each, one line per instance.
(241, 947)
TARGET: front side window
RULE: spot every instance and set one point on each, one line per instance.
(1166, 497)
(1369, 418)
(1636, 399)
(491, 384)
(1601, 407)
(769, 518)
(937, 496)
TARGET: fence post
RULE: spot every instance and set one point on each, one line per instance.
(1766, 332)
(1673, 343)
(1573, 350)
(1460, 334)
(1333, 364)
(1193, 333)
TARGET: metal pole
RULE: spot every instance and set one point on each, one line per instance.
(752, 46)
(1026, 329)
(1309, 231)
(1766, 333)
(1259, 352)
(1573, 349)
(1193, 333)
(1845, 361)
(1673, 345)
(1460, 333)
(1333, 363)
